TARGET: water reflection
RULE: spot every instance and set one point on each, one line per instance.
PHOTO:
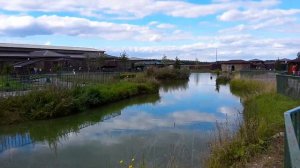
(53, 131)
(172, 128)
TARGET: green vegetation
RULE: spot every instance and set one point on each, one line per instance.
(263, 117)
(168, 73)
(8, 84)
(56, 102)
(223, 80)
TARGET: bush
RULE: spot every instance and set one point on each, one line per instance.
(168, 73)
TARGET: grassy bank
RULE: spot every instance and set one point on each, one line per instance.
(56, 102)
(263, 117)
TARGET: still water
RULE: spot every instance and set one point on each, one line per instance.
(171, 129)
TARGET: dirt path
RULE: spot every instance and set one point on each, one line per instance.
(272, 158)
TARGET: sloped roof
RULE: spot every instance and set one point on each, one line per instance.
(255, 60)
(47, 53)
(297, 60)
(235, 62)
(24, 63)
(32, 46)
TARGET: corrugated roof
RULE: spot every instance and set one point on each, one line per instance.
(13, 45)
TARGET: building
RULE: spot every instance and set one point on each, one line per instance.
(235, 65)
(27, 58)
(291, 63)
(257, 64)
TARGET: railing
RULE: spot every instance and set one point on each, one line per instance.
(292, 138)
(21, 84)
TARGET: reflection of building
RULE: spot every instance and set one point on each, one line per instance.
(235, 65)
(27, 58)
(9, 142)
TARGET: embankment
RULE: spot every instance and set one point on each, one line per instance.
(262, 118)
(54, 102)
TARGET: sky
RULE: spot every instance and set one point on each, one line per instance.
(187, 29)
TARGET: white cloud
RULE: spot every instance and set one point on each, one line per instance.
(131, 9)
(165, 26)
(257, 15)
(241, 46)
(72, 26)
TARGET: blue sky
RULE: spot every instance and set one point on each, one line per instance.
(188, 29)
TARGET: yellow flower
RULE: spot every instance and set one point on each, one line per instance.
(130, 166)
(121, 161)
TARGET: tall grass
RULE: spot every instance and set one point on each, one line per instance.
(262, 118)
(56, 102)
(168, 73)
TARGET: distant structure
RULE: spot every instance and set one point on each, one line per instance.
(27, 58)
(235, 65)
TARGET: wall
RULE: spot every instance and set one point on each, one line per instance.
(288, 85)
(237, 67)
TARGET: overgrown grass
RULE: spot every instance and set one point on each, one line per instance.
(168, 73)
(263, 117)
(56, 102)
(223, 80)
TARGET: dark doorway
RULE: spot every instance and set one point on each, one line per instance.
(232, 68)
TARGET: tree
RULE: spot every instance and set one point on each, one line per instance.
(101, 60)
(298, 55)
(124, 58)
(164, 60)
(177, 63)
(278, 65)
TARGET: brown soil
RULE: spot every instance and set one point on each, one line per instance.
(272, 158)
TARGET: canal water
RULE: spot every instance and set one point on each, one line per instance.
(171, 129)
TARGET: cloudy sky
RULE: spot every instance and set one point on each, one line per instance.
(189, 29)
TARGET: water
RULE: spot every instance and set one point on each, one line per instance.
(172, 129)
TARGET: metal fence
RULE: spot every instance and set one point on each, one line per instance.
(292, 138)
(21, 84)
(288, 85)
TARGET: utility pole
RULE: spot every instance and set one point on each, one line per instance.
(216, 55)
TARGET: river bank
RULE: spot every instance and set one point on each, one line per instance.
(262, 119)
(54, 102)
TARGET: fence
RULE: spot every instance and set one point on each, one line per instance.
(288, 85)
(22, 84)
(269, 76)
(292, 138)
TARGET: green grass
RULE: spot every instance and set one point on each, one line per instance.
(56, 102)
(168, 73)
(223, 80)
(263, 117)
